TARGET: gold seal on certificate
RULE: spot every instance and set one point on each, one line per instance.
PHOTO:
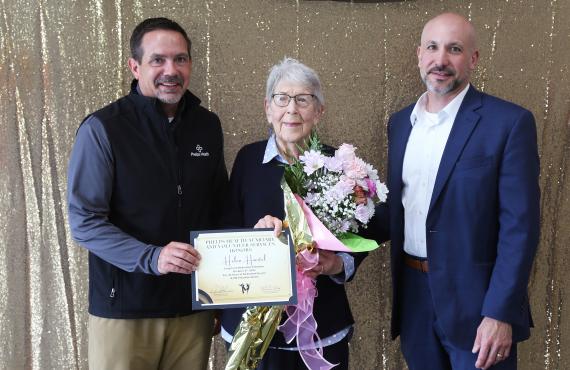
(243, 268)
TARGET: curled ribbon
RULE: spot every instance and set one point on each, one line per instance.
(301, 323)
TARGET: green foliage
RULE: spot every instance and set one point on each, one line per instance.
(294, 175)
(314, 142)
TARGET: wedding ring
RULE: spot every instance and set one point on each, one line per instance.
(499, 355)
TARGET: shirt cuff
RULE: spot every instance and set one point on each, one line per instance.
(348, 270)
(154, 260)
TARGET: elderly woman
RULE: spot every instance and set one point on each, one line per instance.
(294, 105)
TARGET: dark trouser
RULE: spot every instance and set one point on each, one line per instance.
(423, 342)
(278, 359)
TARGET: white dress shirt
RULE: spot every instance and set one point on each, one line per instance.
(424, 150)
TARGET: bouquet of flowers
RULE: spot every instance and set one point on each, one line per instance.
(340, 190)
(327, 199)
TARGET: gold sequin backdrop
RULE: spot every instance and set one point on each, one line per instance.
(61, 59)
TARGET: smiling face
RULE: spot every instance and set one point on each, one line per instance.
(292, 124)
(165, 67)
(447, 55)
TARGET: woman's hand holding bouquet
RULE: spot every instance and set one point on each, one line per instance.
(327, 200)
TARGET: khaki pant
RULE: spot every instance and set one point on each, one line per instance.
(151, 344)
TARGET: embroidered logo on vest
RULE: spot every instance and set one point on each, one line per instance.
(199, 152)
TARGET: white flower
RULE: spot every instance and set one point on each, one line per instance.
(334, 194)
(344, 226)
(372, 172)
(346, 185)
(381, 191)
(311, 198)
(364, 212)
(333, 164)
(312, 160)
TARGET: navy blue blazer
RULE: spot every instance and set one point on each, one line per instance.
(482, 226)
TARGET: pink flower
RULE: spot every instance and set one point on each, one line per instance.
(312, 160)
(355, 169)
(371, 187)
(360, 195)
(345, 152)
(340, 190)
(345, 185)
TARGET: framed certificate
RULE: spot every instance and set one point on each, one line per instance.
(246, 267)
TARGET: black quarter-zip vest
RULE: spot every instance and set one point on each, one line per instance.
(169, 178)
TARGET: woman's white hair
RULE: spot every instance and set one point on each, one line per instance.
(291, 70)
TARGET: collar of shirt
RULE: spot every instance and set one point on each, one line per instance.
(449, 111)
(271, 151)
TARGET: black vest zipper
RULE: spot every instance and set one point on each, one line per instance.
(173, 132)
(180, 191)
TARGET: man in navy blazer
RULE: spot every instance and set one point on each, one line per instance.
(464, 212)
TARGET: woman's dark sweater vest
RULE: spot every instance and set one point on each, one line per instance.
(255, 191)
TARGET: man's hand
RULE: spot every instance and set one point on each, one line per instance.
(178, 257)
(493, 342)
(329, 264)
(270, 222)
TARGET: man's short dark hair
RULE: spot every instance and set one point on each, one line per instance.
(153, 24)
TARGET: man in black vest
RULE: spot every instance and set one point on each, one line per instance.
(144, 171)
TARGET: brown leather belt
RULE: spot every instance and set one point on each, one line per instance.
(421, 265)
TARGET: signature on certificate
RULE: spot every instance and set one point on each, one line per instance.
(243, 260)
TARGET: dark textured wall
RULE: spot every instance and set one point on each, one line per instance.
(60, 60)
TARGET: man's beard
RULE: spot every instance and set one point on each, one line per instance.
(451, 86)
(167, 98)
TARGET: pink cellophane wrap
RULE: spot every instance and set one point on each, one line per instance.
(321, 235)
(301, 323)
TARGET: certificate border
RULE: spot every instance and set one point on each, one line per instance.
(197, 305)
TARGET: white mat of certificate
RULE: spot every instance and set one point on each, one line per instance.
(243, 268)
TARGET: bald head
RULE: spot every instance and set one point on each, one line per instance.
(447, 56)
(455, 25)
